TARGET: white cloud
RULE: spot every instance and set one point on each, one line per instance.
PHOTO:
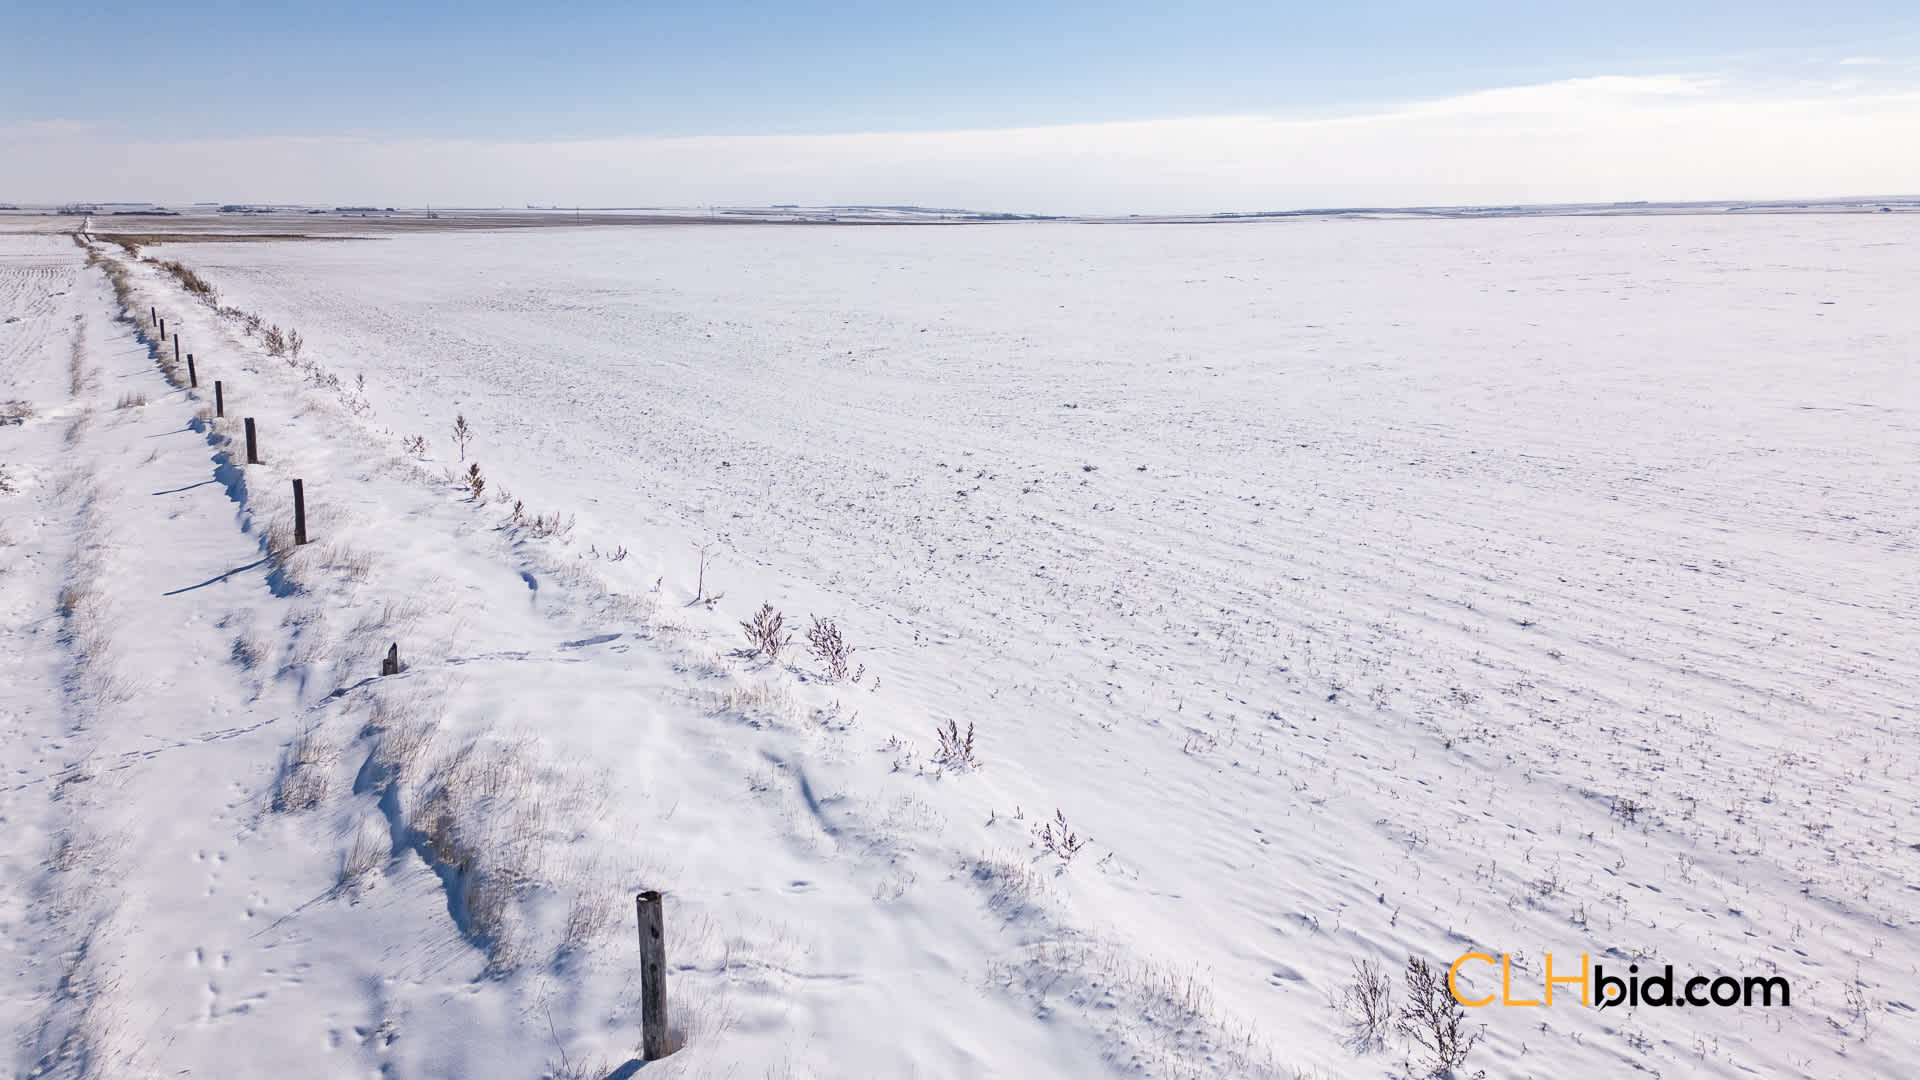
(44, 129)
(1597, 139)
(1863, 60)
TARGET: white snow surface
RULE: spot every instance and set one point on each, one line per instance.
(1361, 589)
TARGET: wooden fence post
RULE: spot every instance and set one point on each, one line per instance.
(219, 399)
(193, 377)
(163, 329)
(176, 350)
(391, 665)
(299, 513)
(653, 976)
(153, 316)
(253, 448)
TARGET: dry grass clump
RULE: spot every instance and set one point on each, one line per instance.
(400, 737)
(369, 852)
(77, 362)
(483, 818)
(16, 411)
(640, 608)
(305, 772)
(355, 564)
(74, 597)
(591, 913)
(540, 525)
(770, 698)
(192, 281)
(87, 628)
(278, 538)
(135, 400)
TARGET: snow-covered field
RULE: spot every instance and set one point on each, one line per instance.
(1361, 589)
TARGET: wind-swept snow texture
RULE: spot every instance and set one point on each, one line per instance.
(1349, 590)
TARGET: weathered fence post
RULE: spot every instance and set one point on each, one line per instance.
(391, 665)
(253, 448)
(299, 513)
(153, 316)
(653, 976)
(163, 329)
(219, 399)
(193, 377)
(176, 350)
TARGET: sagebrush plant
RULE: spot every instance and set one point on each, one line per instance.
(1434, 1022)
(1059, 838)
(767, 632)
(827, 645)
(415, 445)
(476, 484)
(956, 750)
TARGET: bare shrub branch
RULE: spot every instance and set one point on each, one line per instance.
(1433, 1021)
(1366, 1004)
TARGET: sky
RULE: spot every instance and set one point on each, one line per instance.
(1059, 108)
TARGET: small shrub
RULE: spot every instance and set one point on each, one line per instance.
(1433, 1021)
(1367, 1005)
(462, 434)
(828, 647)
(1059, 838)
(415, 445)
(275, 340)
(956, 750)
(16, 412)
(545, 526)
(767, 631)
(132, 401)
(476, 483)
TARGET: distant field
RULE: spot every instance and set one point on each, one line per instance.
(1365, 587)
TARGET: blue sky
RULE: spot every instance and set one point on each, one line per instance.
(590, 70)
(75, 78)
